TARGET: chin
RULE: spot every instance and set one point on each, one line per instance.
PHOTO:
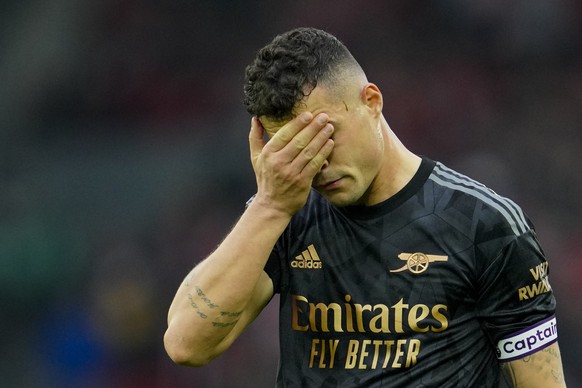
(340, 199)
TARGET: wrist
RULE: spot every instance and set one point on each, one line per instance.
(266, 207)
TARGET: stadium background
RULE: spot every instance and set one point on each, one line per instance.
(123, 149)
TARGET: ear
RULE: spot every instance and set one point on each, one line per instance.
(372, 98)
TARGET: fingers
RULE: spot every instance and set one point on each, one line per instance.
(311, 159)
(286, 164)
(288, 133)
(304, 142)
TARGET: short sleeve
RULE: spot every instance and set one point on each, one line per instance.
(273, 269)
(514, 291)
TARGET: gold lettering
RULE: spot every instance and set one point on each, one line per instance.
(401, 317)
(324, 309)
(332, 348)
(414, 318)
(322, 357)
(388, 344)
(314, 352)
(522, 294)
(352, 355)
(413, 350)
(349, 315)
(358, 353)
(440, 317)
(398, 307)
(318, 349)
(296, 310)
(546, 282)
(360, 316)
(363, 354)
(541, 270)
(533, 290)
(382, 317)
(377, 344)
(398, 354)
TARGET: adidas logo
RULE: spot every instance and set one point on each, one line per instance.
(307, 259)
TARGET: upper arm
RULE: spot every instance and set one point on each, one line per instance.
(541, 369)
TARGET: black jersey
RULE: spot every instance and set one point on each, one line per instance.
(431, 288)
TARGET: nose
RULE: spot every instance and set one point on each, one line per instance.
(324, 165)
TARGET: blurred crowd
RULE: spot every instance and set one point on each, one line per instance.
(123, 150)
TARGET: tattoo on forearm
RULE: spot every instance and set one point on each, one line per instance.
(543, 367)
(551, 351)
(223, 315)
(227, 314)
(204, 298)
(230, 314)
(196, 308)
(230, 317)
(557, 374)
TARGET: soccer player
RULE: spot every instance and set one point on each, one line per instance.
(392, 269)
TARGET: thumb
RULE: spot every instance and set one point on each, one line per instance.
(256, 138)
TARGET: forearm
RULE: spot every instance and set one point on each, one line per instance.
(542, 369)
(218, 297)
(225, 292)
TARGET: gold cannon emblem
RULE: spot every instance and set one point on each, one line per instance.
(418, 262)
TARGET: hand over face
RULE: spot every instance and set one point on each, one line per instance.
(286, 164)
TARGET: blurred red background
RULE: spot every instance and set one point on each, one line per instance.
(124, 158)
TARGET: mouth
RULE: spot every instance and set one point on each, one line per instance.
(328, 185)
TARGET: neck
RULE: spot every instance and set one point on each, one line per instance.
(399, 167)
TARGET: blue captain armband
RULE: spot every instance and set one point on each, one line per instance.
(528, 341)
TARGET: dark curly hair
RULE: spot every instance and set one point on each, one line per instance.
(286, 70)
